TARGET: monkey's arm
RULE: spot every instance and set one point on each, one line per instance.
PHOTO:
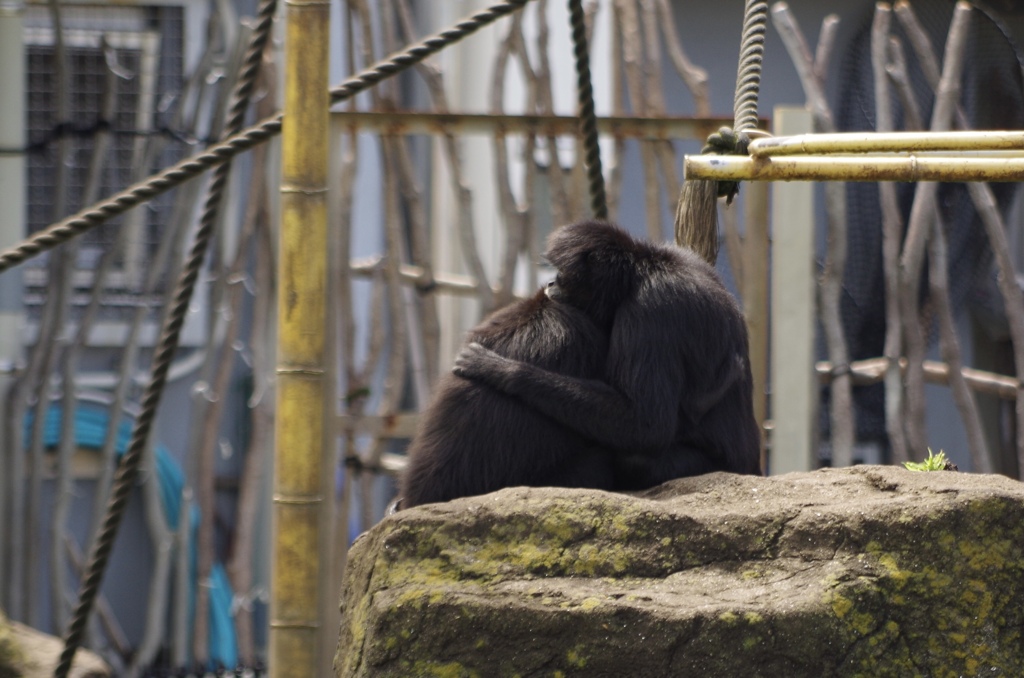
(590, 407)
(668, 364)
(634, 408)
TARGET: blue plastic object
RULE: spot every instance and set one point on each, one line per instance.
(91, 423)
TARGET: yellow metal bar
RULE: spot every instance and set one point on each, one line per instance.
(889, 142)
(853, 168)
(300, 512)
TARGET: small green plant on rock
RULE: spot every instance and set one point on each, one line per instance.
(934, 462)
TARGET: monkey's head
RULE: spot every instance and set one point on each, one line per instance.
(596, 268)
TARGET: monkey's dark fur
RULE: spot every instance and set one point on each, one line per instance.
(674, 397)
(473, 439)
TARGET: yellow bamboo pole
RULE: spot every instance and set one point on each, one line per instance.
(888, 142)
(300, 459)
(854, 168)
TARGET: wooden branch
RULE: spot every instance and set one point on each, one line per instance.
(162, 543)
(619, 78)
(560, 213)
(988, 211)
(793, 39)
(896, 69)
(1013, 298)
(104, 611)
(892, 236)
(429, 334)
(694, 77)
(409, 196)
(637, 82)
(981, 459)
(919, 224)
(826, 45)
(513, 214)
(239, 567)
(402, 425)
(181, 617)
(70, 359)
(395, 362)
(654, 92)
(872, 371)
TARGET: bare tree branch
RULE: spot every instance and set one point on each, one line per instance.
(892, 235)
(638, 80)
(984, 202)
(938, 278)
(919, 225)
(695, 77)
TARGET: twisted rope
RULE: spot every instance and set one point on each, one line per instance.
(168, 345)
(190, 167)
(748, 86)
(588, 119)
(219, 155)
(696, 223)
(748, 73)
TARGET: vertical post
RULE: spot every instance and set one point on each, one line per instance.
(300, 458)
(12, 230)
(756, 250)
(794, 396)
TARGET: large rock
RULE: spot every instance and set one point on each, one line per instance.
(867, 571)
(28, 653)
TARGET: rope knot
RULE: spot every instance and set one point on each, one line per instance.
(727, 141)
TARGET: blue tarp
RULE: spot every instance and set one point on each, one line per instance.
(91, 423)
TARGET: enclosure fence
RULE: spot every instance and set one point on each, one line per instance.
(401, 311)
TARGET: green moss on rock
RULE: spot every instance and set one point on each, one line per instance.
(865, 571)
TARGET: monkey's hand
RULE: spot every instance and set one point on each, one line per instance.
(482, 364)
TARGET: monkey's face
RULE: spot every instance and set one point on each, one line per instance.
(556, 291)
(571, 256)
(571, 290)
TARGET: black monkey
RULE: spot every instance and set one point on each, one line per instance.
(473, 439)
(675, 398)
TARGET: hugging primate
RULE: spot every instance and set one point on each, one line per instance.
(674, 397)
(473, 439)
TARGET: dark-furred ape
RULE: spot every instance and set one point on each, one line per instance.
(473, 439)
(675, 395)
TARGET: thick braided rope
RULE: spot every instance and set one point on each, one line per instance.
(190, 167)
(169, 339)
(128, 468)
(588, 119)
(748, 74)
(748, 86)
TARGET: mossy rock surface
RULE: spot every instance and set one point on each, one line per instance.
(867, 571)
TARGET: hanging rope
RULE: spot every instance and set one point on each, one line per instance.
(697, 211)
(748, 73)
(168, 344)
(190, 167)
(588, 119)
(748, 87)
